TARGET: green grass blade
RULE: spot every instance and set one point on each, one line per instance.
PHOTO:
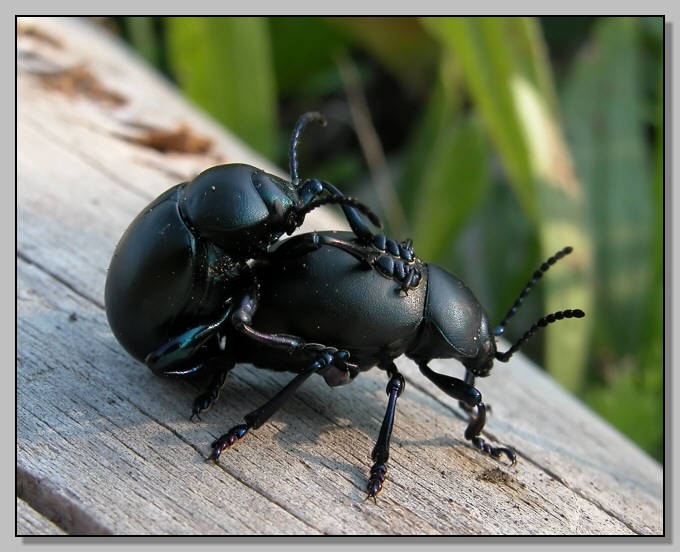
(224, 64)
(602, 105)
(478, 45)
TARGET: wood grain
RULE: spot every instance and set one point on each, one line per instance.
(104, 447)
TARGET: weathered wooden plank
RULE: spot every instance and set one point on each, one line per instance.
(32, 523)
(103, 446)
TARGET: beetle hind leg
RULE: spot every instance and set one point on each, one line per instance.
(259, 416)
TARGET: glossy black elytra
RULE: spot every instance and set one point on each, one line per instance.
(183, 261)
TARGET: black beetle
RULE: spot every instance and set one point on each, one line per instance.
(183, 261)
(372, 302)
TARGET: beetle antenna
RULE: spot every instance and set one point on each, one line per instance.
(498, 330)
(341, 200)
(295, 141)
(542, 323)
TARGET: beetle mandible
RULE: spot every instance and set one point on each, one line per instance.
(372, 302)
(183, 261)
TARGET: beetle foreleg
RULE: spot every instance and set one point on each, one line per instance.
(351, 211)
(470, 380)
(471, 398)
(381, 451)
(257, 417)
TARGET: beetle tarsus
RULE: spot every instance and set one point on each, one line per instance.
(222, 443)
(475, 428)
(393, 260)
(495, 452)
(375, 481)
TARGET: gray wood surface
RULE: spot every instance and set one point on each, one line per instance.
(105, 447)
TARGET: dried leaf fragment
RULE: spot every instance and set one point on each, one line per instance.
(80, 81)
(181, 140)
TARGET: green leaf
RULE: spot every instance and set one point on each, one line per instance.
(480, 45)
(399, 43)
(144, 38)
(452, 182)
(602, 101)
(224, 64)
(306, 55)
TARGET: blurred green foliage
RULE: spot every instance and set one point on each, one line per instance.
(499, 141)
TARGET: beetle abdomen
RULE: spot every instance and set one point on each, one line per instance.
(329, 296)
(150, 275)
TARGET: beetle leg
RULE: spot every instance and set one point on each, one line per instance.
(257, 417)
(411, 279)
(381, 451)
(242, 321)
(242, 317)
(185, 353)
(294, 248)
(367, 256)
(350, 208)
(393, 263)
(471, 397)
(301, 245)
(470, 380)
(204, 401)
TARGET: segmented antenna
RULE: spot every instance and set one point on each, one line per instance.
(542, 323)
(535, 278)
(295, 141)
(341, 200)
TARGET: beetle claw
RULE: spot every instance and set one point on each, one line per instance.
(495, 452)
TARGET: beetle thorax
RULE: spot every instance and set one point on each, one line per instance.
(454, 324)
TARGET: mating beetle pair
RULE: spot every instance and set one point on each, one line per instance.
(182, 262)
(181, 296)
